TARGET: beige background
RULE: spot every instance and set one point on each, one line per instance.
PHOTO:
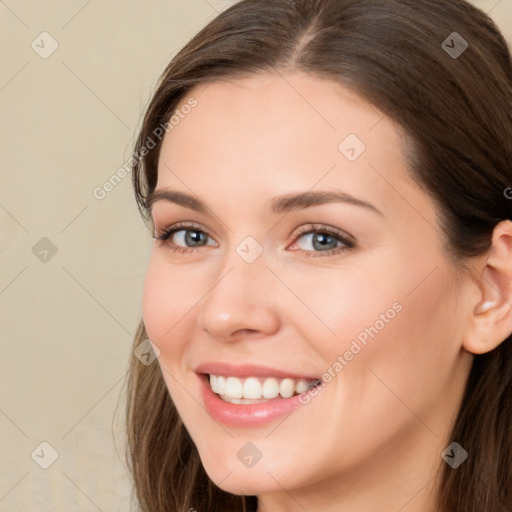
(66, 125)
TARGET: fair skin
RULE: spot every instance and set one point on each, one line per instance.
(371, 439)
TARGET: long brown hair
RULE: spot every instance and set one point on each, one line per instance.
(456, 109)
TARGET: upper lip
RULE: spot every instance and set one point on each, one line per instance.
(248, 370)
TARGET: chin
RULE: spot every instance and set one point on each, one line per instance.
(243, 482)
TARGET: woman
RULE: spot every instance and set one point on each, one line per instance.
(329, 291)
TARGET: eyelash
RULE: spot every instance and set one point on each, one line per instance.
(167, 233)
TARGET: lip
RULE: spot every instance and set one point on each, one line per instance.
(248, 370)
(245, 415)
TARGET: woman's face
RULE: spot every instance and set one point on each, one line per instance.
(309, 254)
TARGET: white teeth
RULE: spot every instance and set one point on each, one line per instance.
(287, 388)
(301, 386)
(270, 388)
(241, 400)
(221, 385)
(233, 388)
(253, 389)
(213, 383)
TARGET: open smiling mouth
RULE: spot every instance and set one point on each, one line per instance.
(254, 390)
(252, 395)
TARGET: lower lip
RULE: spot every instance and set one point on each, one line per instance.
(245, 415)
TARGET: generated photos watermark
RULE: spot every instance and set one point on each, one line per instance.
(357, 345)
(101, 192)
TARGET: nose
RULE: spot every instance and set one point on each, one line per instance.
(241, 302)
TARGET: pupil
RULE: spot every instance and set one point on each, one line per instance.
(321, 240)
(194, 237)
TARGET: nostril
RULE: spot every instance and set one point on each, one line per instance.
(245, 332)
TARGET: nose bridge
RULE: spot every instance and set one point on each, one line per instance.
(240, 298)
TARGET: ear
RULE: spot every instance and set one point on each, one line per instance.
(491, 319)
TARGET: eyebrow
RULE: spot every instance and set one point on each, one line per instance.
(280, 204)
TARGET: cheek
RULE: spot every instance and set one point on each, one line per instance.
(382, 330)
(338, 306)
(155, 303)
(400, 352)
(166, 310)
(164, 306)
(168, 296)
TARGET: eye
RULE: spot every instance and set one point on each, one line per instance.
(322, 241)
(313, 240)
(183, 237)
(189, 237)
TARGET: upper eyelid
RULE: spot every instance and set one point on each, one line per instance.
(319, 228)
(177, 226)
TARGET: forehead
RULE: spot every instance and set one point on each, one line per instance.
(278, 133)
(291, 105)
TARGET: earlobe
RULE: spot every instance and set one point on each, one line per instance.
(491, 320)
